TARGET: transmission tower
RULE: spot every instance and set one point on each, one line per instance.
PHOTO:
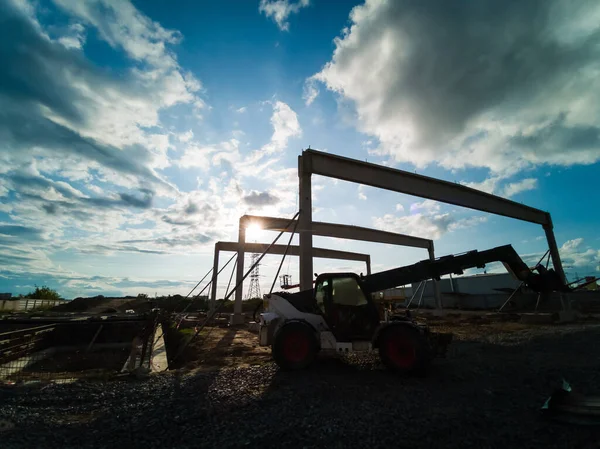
(254, 290)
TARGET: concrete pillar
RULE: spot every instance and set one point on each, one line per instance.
(213, 290)
(239, 274)
(436, 285)
(368, 265)
(305, 225)
(554, 254)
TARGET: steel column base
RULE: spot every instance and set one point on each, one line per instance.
(236, 319)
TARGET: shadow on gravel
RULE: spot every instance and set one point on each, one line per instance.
(486, 395)
(228, 338)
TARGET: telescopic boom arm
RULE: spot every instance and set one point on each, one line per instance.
(542, 281)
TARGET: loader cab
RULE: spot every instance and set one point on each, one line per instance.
(349, 312)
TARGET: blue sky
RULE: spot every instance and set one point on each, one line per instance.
(134, 134)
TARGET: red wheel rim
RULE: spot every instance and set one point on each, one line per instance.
(295, 347)
(401, 351)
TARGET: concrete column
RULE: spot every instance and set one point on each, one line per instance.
(305, 225)
(213, 290)
(554, 254)
(436, 286)
(239, 274)
(368, 265)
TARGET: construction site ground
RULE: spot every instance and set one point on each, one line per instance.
(225, 347)
(486, 394)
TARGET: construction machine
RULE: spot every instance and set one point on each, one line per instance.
(340, 314)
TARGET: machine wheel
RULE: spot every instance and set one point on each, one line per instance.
(404, 350)
(295, 346)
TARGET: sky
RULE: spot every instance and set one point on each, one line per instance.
(134, 134)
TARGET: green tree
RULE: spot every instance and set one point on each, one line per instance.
(43, 292)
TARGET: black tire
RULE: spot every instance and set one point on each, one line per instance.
(404, 350)
(295, 346)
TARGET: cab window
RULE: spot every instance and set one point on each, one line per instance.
(347, 292)
(322, 294)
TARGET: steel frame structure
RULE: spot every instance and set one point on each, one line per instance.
(324, 230)
(293, 250)
(338, 167)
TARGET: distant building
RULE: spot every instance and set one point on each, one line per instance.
(479, 284)
(8, 303)
(480, 291)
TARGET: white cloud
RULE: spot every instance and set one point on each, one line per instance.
(494, 185)
(205, 157)
(571, 245)
(260, 199)
(82, 120)
(465, 223)
(123, 26)
(241, 110)
(280, 10)
(578, 259)
(116, 112)
(186, 136)
(159, 145)
(488, 185)
(310, 92)
(75, 39)
(285, 126)
(575, 254)
(96, 189)
(425, 220)
(361, 193)
(428, 205)
(517, 187)
(418, 225)
(65, 117)
(472, 94)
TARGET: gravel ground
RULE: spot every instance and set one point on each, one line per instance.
(487, 394)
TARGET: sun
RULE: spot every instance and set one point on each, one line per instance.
(253, 232)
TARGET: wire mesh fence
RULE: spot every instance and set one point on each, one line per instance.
(22, 348)
(76, 349)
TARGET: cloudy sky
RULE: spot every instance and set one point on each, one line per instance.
(133, 134)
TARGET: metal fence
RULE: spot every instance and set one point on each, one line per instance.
(23, 348)
(76, 349)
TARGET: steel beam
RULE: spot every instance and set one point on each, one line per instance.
(293, 250)
(340, 231)
(387, 178)
(333, 166)
(344, 232)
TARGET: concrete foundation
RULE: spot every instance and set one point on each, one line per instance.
(235, 319)
(159, 352)
(567, 316)
(537, 318)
